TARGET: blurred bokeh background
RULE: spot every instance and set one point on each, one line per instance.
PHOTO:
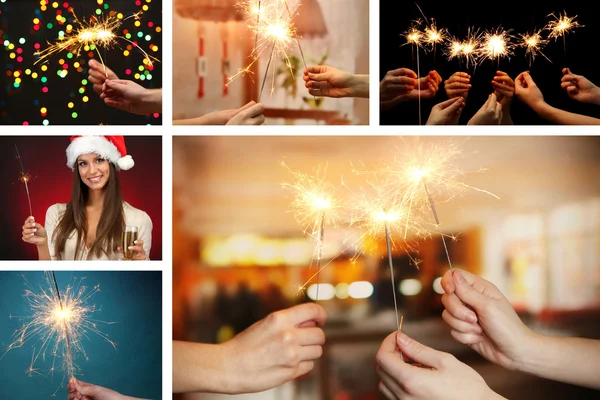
(239, 253)
(211, 42)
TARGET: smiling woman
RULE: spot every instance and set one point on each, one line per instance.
(92, 225)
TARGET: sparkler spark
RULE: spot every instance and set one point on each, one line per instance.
(496, 44)
(275, 32)
(92, 35)
(467, 49)
(533, 44)
(60, 321)
(315, 204)
(561, 25)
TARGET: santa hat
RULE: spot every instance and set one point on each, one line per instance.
(110, 147)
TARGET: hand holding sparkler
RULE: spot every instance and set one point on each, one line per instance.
(249, 115)
(489, 114)
(34, 233)
(98, 74)
(437, 375)
(130, 97)
(528, 92)
(580, 88)
(397, 82)
(447, 112)
(458, 84)
(504, 89)
(323, 80)
(79, 390)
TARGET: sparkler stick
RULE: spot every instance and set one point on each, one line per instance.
(389, 251)
(24, 177)
(69, 361)
(561, 26)
(437, 221)
(320, 250)
(533, 43)
(266, 72)
(414, 37)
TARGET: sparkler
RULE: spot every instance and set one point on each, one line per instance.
(415, 37)
(434, 36)
(561, 26)
(467, 49)
(59, 321)
(92, 34)
(274, 31)
(533, 44)
(496, 44)
(25, 178)
(410, 173)
(314, 204)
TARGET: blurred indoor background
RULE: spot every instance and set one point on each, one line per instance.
(239, 253)
(211, 42)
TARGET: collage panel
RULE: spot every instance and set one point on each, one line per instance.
(522, 64)
(81, 62)
(289, 251)
(81, 198)
(81, 334)
(288, 62)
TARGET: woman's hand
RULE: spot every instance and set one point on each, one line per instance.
(34, 233)
(139, 254)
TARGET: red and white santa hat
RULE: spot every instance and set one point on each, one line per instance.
(110, 147)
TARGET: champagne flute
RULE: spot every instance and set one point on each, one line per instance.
(128, 238)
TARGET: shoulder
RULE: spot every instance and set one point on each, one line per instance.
(56, 209)
(135, 216)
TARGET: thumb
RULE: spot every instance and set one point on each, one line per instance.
(317, 77)
(454, 106)
(467, 293)
(86, 389)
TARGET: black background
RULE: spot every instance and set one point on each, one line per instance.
(520, 16)
(17, 105)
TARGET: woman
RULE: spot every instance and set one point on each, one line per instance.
(91, 225)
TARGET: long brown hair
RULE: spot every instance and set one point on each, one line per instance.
(74, 220)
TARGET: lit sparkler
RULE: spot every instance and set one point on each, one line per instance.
(467, 49)
(92, 34)
(533, 44)
(275, 32)
(410, 174)
(60, 322)
(416, 38)
(314, 205)
(434, 36)
(561, 26)
(25, 178)
(495, 45)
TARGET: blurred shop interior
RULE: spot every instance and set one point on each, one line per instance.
(239, 253)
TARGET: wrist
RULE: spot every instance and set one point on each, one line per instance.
(359, 86)
(231, 381)
(596, 96)
(531, 348)
(152, 101)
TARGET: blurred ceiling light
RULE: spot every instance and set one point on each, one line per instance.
(360, 290)
(341, 291)
(410, 287)
(326, 291)
(437, 286)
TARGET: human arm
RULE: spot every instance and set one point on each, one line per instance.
(276, 349)
(447, 112)
(129, 96)
(504, 89)
(323, 80)
(253, 115)
(35, 233)
(440, 375)
(580, 88)
(481, 317)
(528, 92)
(79, 390)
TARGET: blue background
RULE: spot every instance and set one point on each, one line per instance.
(132, 300)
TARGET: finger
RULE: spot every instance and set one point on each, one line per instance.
(447, 282)
(434, 74)
(401, 88)
(461, 74)
(458, 309)
(258, 120)
(491, 103)
(314, 69)
(447, 103)
(390, 359)
(419, 352)
(459, 80)
(121, 105)
(386, 392)
(566, 71)
(467, 293)
(568, 78)
(390, 383)
(501, 73)
(459, 325)
(403, 71)
(506, 88)
(318, 77)
(401, 80)
(310, 353)
(499, 113)
(310, 336)
(458, 86)
(572, 89)
(253, 111)
(86, 389)
(528, 79)
(137, 249)
(467, 338)
(304, 368)
(307, 312)
(505, 80)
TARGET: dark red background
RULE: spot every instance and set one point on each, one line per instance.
(45, 159)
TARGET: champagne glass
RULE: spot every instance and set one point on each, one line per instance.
(128, 238)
